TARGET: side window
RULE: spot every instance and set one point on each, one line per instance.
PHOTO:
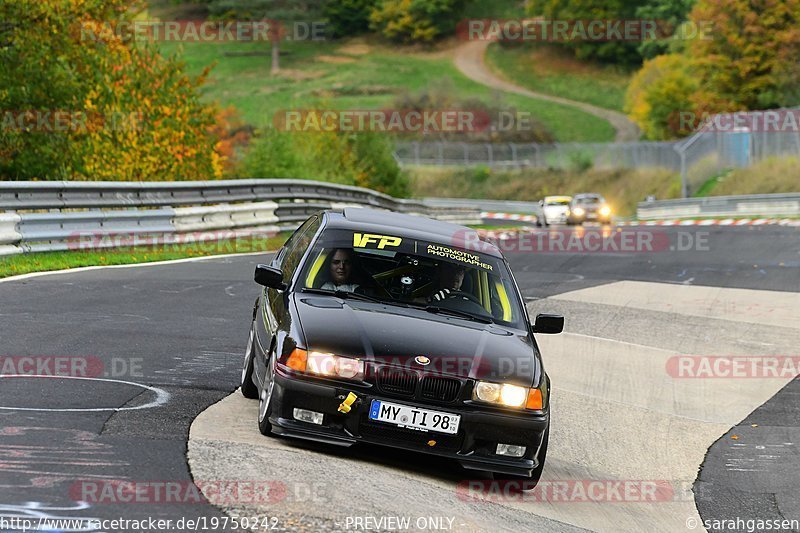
(294, 254)
(292, 241)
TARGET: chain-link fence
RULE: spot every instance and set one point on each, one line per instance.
(558, 155)
(715, 148)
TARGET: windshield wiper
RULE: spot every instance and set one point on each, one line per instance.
(344, 294)
(456, 312)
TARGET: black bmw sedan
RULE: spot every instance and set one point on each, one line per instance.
(401, 331)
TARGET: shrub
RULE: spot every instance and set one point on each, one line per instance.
(362, 159)
(658, 93)
(416, 21)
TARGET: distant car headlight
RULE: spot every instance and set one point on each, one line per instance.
(605, 211)
(327, 364)
(507, 395)
(579, 211)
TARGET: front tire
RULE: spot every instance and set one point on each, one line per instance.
(521, 483)
(265, 400)
(249, 389)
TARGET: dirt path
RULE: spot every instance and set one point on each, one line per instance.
(469, 59)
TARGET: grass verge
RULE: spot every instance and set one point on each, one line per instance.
(554, 71)
(772, 175)
(14, 265)
(358, 74)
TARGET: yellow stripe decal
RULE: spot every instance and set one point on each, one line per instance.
(501, 292)
(315, 268)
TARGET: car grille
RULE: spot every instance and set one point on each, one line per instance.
(441, 389)
(394, 381)
(407, 383)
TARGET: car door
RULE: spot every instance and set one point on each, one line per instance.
(275, 317)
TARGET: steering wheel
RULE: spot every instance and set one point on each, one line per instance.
(464, 295)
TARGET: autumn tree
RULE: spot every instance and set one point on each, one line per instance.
(416, 21)
(140, 114)
(743, 56)
(749, 59)
(657, 95)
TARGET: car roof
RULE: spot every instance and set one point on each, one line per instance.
(587, 195)
(410, 226)
(557, 198)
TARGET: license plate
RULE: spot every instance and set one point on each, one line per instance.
(414, 417)
(591, 215)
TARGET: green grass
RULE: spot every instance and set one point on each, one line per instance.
(355, 74)
(46, 261)
(709, 185)
(771, 175)
(555, 71)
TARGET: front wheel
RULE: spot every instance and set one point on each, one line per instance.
(522, 482)
(249, 389)
(265, 400)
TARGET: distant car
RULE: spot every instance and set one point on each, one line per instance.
(555, 209)
(394, 359)
(588, 207)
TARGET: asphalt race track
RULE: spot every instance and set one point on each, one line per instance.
(164, 345)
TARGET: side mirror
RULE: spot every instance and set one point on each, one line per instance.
(269, 277)
(541, 203)
(546, 323)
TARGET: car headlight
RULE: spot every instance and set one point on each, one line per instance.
(326, 364)
(579, 211)
(605, 211)
(507, 395)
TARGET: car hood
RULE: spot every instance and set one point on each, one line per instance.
(395, 335)
(556, 208)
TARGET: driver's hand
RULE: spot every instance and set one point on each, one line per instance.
(441, 295)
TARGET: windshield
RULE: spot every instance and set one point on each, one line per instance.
(557, 202)
(589, 200)
(407, 272)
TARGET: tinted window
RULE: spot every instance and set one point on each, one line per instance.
(297, 246)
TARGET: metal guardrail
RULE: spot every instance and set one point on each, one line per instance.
(504, 206)
(48, 216)
(18, 195)
(722, 206)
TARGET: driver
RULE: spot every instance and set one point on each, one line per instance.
(341, 271)
(450, 279)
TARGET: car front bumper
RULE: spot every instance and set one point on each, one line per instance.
(589, 216)
(473, 446)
